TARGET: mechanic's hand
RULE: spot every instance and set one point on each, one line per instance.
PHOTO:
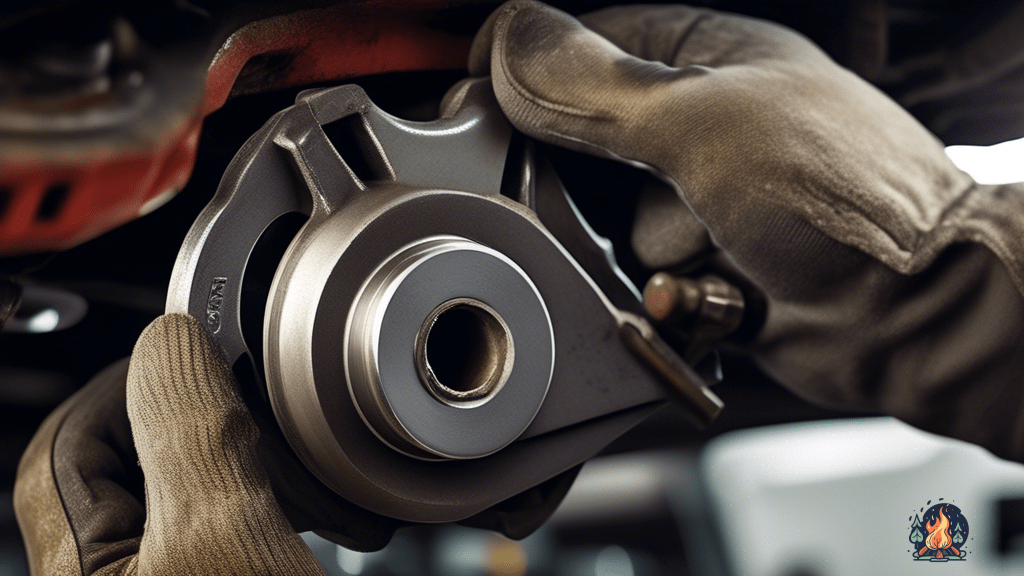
(209, 507)
(209, 485)
(893, 280)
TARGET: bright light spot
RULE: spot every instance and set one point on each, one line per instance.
(350, 561)
(998, 164)
(613, 561)
(44, 321)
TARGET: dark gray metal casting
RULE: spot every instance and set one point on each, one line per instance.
(404, 219)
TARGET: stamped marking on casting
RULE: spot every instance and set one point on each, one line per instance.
(214, 303)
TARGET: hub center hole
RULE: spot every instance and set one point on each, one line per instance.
(465, 354)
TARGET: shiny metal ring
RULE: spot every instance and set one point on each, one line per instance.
(449, 350)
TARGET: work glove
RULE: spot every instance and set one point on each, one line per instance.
(893, 281)
(208, 505)
(166, 466)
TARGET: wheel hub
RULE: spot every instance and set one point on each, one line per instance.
(430, 348)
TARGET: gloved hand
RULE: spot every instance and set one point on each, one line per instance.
(893, 280)
(208, 505)
(167, 466)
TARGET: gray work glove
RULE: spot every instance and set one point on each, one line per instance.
(893, 280)
(167, 466)
(208, 506)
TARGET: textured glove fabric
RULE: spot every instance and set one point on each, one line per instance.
(893, 280)
(176, 489)
(208, 506)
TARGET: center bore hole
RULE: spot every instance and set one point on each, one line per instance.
(466, 351)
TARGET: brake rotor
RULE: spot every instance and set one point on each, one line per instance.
(430, 348)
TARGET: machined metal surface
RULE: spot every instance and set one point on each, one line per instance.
(413, 231)
(397, 397)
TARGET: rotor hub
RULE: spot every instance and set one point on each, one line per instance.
(395, 287)
(449, 349)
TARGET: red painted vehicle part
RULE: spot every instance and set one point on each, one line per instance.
(56, 204)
